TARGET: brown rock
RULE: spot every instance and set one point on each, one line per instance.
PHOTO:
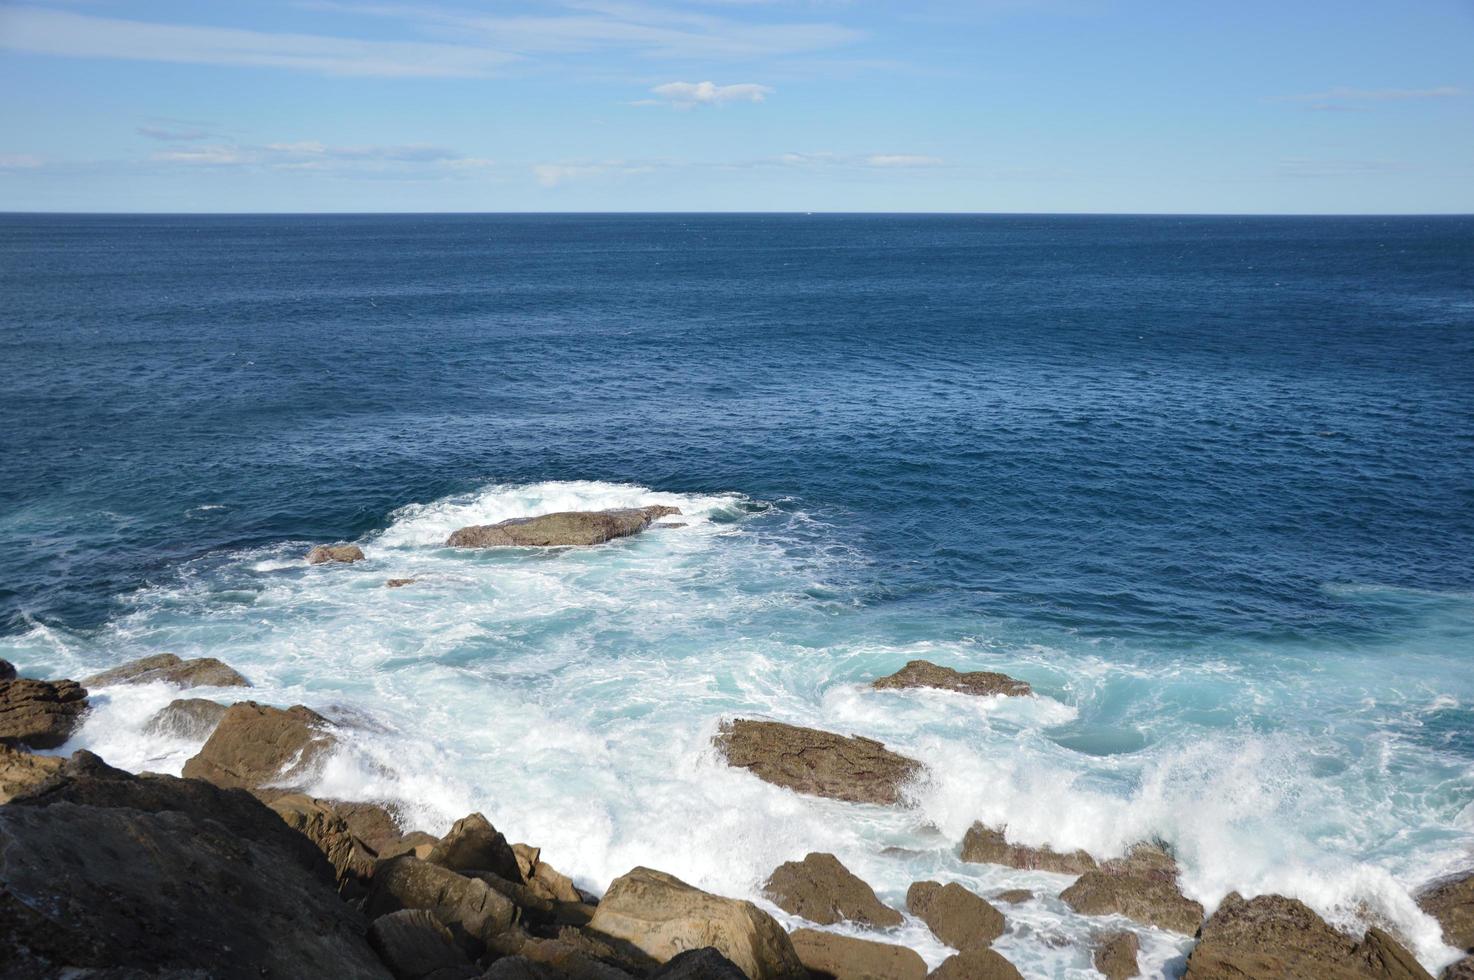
(351, 858)
(473, 844)
(660, 915)
(984, 845)
(1450, 900)
(859, 770)
(166, 667)
(369, 822)
(399, 583)
(577, 527)
(1274, 936)
(822, 890)
(1015, 896)
(979, 963)
(1141, 886)
(569, 955)
(324, 553)
(473, 911)
(416, 843)
(955, 915)
(20, 770)
(542, 878)
(257, 745)
(1115, 955)
(414, 945)
(828, 956)
(40, 714)
(186, 718)
(924, 673)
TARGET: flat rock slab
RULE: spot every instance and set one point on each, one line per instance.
(924, 673)
(566, 528)
(40, 714)
(171, 669)
(344, 554)
(1141, 886)
(986, 845)
(955, 915)
(258, 745)
(822, 890)
(806, 760)
(828, 956)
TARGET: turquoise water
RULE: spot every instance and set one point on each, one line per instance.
(1205, 483)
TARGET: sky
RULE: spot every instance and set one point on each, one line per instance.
(1293, 106)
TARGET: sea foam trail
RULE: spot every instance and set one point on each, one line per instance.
(571, 695)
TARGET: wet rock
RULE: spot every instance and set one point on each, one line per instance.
(671, 525)
(1461, 970)
(7, 670)
(985, 845)
(20, 770)
(317, 820)
(1450, 900)
(40, 714)
(699, 964)
(166, 667)
(186, 718)
(828, 956)
(473, 844)
(369, 822)
(542, 878)
(414, 945)
(1274, 936)
(577, 527)
(152, 875)
(806, 760)
(1015, 896)
(955, 915)
(822, 890)
(980, 963)
(1141, 886)
(1115, 955)
(924, 673)
(343, 553)
(258, 745)
(399, 583)
(473, 911)
(661, 916)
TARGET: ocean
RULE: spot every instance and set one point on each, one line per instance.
(1206, 483)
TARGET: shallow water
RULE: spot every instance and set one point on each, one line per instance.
(1204, 483)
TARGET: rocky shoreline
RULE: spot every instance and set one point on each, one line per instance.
(232, 871)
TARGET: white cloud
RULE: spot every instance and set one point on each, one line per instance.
(1350, 99)
(554, 174)
(314, 155)
(688, 95)
(19, 161)
(902, 160)
(172, 135)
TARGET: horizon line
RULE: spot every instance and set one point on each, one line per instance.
(776, 212)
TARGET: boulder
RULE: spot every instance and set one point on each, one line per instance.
(104, 873)
(828, 956)
(542, 878)
(1014, 896)
(1450, 900)
(822, 890)
(660, 915)
(979, 963)
(317, 820)
(257, 745)
(568, 955)
(1115, 955)
(985, 845)
(473, 911)
(369, 822)
(473, 844)
(40, 714)
(574, 527)
(166, 667)
(342, 553)
(414, 945)
(20, 770)
(698, 964)
(7, 670)
(399, 583)
(955, 915)
(186, 718)
(1141, 886)
(1274, 936)
(416, 842)
(855, 769)
(924, 673)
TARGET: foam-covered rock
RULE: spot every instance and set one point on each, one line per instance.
(171, 669)
(1450, 900)
(806, 760)
(325, 554)
(258, 745)
(1141, 886)
(987, 845)
(566, 528)
(186, 718)
(924, 673)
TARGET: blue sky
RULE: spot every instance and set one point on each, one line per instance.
(667, 105)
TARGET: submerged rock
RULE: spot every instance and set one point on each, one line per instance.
(342, 553)
(1141, 886)
(574, 527)
(955, 915)
(828, 956)
(1274, 936)
(1450, 900)
(186, 718)
(399, 583)
(924, 673)
(985, 845)
(1115, 955)
(1015, 896)
(806, 760)
(20, 770)
(40, 714)
(258, 745)
(662, 916)
(980, 963)
(822, 890)
(166, 667)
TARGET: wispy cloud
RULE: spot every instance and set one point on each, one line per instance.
(689, 95)
(311, 155)
(20, 161)
(172, 135)
(1358, 99)
(902, 160)
(554, 174)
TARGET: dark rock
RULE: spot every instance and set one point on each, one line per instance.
(415, 946)
(473, 844)
(1450, 900)
(955, 915)
(317, 820)
(984, 845)
(257, 745)
(166, 667)
(186, 718)
(124, 875)
(1141, 886)
(924, 673)
(822, 890)
(699, 964)
(7, 670)
(980, 963)
(1015, 896)
(399, 583)
(859, 770)
(343, 553)
(577, 527)
(828, 956)
(40, 714)
(1274, 936)
(661, 916)
(473, 911)
(520, 968)
(1115, 955)
(569, 955)
(20, 770)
